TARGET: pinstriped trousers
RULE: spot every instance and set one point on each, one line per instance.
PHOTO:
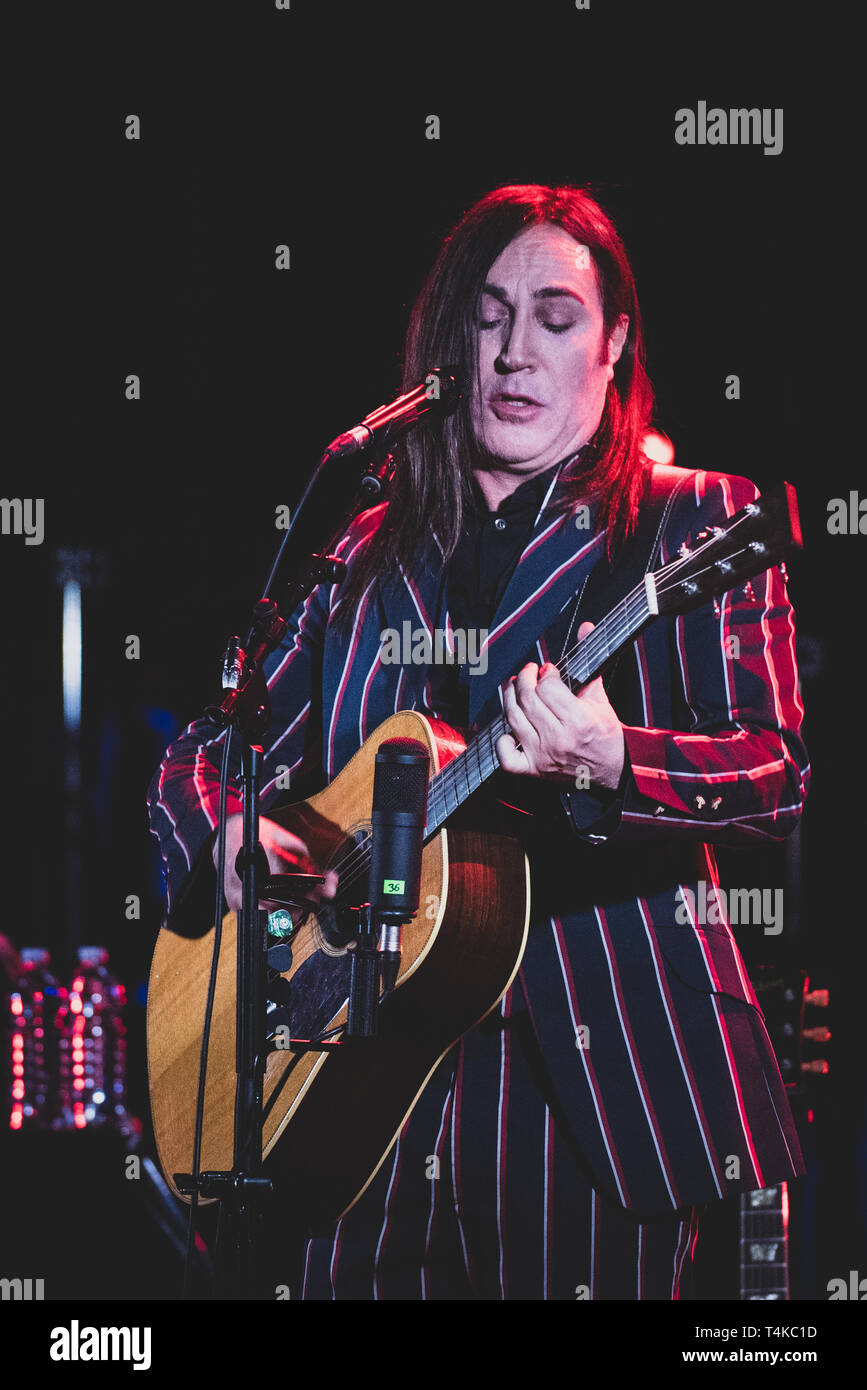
(485, 1196)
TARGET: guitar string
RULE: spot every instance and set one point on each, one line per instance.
(615, 626)
(444, 786)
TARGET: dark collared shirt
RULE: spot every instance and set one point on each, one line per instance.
(490, 546)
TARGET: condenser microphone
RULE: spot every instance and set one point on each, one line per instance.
(400, 787)
(438, 392)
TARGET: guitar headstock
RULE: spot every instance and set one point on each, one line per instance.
(786, 998)
(760, 535)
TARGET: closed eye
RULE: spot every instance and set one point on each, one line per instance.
(551, 327)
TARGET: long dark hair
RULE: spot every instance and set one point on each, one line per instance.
(432, 483)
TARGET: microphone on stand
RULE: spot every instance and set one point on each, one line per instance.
(400, 787)
(438, 392)
(400, 783)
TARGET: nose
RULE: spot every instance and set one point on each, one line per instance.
(516, 349)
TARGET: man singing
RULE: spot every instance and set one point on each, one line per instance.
(564, 1146)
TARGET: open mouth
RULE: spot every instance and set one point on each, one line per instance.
(509, 407)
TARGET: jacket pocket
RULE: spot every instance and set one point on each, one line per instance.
(707, 959)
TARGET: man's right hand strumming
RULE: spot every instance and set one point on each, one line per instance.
(285, 853)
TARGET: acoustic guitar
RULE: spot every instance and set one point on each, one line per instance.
(337, 1114)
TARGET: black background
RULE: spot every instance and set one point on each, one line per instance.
(306, 127)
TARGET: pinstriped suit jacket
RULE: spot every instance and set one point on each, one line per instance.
(659, 1061)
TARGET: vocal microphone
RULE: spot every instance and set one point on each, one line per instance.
(438, 392)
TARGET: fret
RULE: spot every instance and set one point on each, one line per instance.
(764, 1197)
(462, 770)
(766, 1229)
(763, 1251)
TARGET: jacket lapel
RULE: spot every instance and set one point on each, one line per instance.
(550, 572)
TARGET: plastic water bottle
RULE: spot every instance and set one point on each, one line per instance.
(92, 1041)
(30, 1033)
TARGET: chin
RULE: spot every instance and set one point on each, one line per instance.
(511, 450)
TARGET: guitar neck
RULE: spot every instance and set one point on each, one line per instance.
(465, 774)
(764, 1244)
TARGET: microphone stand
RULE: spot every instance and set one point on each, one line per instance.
(245, 707)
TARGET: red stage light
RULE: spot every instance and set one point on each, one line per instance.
(658, 447)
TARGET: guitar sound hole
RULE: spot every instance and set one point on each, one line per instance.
(337, 922)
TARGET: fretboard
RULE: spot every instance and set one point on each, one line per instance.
(764, 1244)
(458, 780)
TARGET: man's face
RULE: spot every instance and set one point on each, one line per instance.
(542, 373)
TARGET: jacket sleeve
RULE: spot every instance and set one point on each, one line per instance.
(183, 797)
(738, 772)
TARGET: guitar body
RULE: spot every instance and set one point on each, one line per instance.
(337, 1114)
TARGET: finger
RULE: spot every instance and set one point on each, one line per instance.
(282, 855)
(553, 692)
(511, 757)
(543, 718)
(517, 718)
(594, 688)
(277, 835)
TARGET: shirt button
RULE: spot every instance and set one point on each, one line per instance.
(500, 524)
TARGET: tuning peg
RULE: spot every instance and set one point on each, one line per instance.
(818, 998)
(818, 1034)
(818, 1066)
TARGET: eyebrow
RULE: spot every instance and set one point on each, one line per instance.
(549, 292)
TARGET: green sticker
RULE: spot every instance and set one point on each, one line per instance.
(394, 885)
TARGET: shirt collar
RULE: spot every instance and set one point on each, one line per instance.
(528, 496)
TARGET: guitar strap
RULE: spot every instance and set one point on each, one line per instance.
(607, 585)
